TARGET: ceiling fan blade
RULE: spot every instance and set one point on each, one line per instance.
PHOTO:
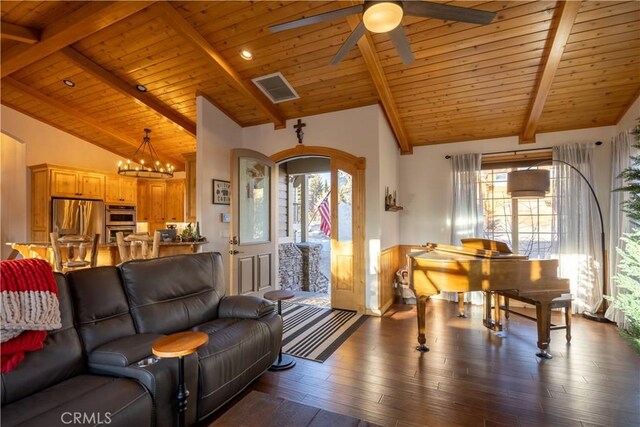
(317, 18)
(401, 42)
(349, 43)
(450, 13)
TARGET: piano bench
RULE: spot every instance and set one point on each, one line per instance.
(560, 302)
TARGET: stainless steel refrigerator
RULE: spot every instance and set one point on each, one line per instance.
(77, 216)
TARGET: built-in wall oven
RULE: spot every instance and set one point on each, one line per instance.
(119, 218)
(111, 231)
(120, 215)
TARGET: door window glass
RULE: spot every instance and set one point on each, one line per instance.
(345, 206)
(254, 221)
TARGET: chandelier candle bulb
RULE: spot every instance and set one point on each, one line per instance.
(152, 168)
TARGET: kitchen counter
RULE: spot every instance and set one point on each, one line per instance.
(107, 252)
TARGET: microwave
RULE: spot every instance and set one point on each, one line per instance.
(120, 215)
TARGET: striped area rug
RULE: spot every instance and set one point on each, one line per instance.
(314, 333)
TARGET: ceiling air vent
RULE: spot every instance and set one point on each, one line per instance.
(276, 87)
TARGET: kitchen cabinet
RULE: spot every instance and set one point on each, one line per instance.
(120, 190)
(71, 183)
(190, 187)
(142, 204)
(157, 191)
(159, 202)
(40, 206)
(174, 200)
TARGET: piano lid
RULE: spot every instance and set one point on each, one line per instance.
(472, 251)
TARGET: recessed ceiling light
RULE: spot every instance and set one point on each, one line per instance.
(141, 88)
(245, 54)
(69, 83)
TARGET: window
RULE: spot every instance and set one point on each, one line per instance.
(528, 226)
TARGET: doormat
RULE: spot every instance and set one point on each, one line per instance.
(314, 333)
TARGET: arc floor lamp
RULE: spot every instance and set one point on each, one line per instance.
(534, 184)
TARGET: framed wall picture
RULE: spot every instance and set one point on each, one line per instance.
(221, 192)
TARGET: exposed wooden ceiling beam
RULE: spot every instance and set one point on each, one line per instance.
(372, 61)
(87, 20)
(561, 29)
(85, 118)
(109, 79)
(186, 30)
(20, 34)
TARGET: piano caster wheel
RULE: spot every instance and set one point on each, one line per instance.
(422, 348)
(544, 354)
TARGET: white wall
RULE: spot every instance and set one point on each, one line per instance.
(13, 190)
(46, 144)
(427, 180)
(389, 177)
(217, 135)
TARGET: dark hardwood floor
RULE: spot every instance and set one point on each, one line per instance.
(471, 377)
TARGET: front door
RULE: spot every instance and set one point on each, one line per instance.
(253, 239)
(344, 193)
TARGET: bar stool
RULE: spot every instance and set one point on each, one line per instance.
(76, 251)
(135, 240)
(284, 360)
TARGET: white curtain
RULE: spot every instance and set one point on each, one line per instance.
(467, 220)
(579, 232)
(621, 151)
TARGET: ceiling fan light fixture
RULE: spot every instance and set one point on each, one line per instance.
(381, 17)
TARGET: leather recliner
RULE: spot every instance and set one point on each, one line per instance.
(187, 292)
(52, 386)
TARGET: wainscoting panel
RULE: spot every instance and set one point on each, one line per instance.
(388, 264)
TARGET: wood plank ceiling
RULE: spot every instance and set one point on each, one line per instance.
(538, 67)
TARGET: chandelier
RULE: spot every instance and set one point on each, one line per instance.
(145, 163)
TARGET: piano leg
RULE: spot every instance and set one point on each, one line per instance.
(421, 307)
(461, 305)
(488, 321)
(543, 317)
(496, 311)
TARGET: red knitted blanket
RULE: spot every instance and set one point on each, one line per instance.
(29, 308)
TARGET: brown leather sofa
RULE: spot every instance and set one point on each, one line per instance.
(119, 312)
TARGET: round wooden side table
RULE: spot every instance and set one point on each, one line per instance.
(180, 345)
(284, 360)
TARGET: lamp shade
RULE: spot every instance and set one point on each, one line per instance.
(528, 184)
(380, 17)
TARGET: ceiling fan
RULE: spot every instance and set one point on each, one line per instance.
(385, 17)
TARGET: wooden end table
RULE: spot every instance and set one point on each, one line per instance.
(284, 360)
(180, 345)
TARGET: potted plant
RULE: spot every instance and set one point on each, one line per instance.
(628, 279)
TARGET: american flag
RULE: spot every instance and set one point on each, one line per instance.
(325, 216)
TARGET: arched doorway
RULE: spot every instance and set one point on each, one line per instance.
(347, 237)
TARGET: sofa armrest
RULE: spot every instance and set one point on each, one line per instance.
(128, 357)
(244, 307)
(124, 351)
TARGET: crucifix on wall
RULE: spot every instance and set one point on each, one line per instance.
(298, 127)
